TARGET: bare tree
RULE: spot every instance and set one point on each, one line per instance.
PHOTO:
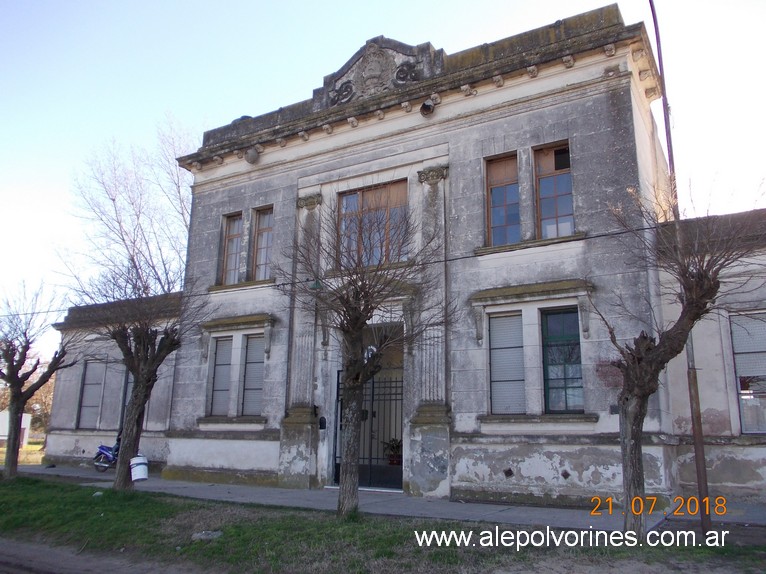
(699, 261)
(370, 276)
(40, 408)
(22, 322)
(138, 207)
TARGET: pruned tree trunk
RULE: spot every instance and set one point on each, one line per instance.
(131, 437)
(632, 414)
(353, 397)
(15, 412)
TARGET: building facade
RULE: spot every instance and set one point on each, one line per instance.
(517, 152)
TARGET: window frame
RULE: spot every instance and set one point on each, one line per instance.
(83, 383)
(522, 299)
(259, 232)
(495, 407)
(261, 326)
(356, 217)
(226, 238)
(214, 380)
(493, 184)
(748, 394)
(539, 176)
(546, 340)
(246, 338)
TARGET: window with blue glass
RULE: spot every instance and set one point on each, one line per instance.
(555, 208)
(504, 221)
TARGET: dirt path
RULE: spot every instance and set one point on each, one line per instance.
(32, 558)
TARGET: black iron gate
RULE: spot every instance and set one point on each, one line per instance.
(380, 446)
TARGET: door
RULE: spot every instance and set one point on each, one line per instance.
(380, 465)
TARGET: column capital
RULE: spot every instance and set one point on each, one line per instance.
(433, 175)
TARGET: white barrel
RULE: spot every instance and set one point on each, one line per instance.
(139, 468)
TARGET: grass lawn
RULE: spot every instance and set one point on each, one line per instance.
(272, 540)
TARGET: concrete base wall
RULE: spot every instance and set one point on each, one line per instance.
(211, 453)
(736, 468)
(549, 470)
(220, 476)
(72, 445)
(558, 470)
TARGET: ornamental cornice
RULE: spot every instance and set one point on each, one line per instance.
(385, 76)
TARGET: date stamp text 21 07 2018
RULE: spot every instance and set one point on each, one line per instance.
(682, 506)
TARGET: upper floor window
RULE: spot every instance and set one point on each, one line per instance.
(373, 225)
(264, 237)
(504, 221)
(562, 368)
(232, 248)
(555, 210)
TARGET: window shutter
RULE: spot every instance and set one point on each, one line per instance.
(221, 377)
(90, 405)
(507, 389)
(252, 394)
(748, 335)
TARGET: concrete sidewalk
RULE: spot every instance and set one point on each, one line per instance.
(393, 503)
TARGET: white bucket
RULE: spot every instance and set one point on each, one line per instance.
(139, 468)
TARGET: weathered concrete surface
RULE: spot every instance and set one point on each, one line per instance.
(430, 452)
(297, 452)
(734, 467)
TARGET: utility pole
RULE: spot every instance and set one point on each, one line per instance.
(691, 370)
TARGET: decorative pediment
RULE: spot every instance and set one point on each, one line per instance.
(379, 67)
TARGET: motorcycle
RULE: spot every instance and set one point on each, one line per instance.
(106, 456)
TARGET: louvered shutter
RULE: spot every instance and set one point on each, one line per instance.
(507, 390)
(221, 377)
(252, 393)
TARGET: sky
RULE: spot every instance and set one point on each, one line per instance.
(76, 75)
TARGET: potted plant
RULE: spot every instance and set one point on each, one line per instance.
(393, 448)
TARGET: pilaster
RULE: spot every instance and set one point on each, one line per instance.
(298, 441)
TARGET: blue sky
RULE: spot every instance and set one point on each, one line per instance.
(75, 75)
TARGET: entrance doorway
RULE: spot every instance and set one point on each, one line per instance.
(380, 461)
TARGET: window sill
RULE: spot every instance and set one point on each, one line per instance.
(546, 418)
(382, 266)
(242, 285)
(527, 244)
(243, 420)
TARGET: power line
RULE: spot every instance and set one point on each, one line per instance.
(550, 248)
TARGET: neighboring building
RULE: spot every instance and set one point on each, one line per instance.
(26, 427)
(517, 150)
